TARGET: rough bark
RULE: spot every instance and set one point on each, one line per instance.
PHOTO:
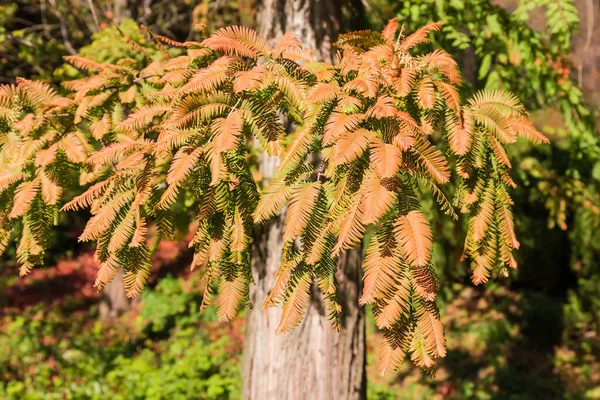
(316, 23)
(313, 361)
(586, 49)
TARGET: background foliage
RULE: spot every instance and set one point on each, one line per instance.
(169, 350)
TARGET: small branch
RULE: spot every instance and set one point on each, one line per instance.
(47, 116)
(20, 40)
(45, 19)
(320, 173)
(63, 29)
(140, 78)
(399, 36)
(94, 15)
(235, 106)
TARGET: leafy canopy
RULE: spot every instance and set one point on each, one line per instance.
(147, 139)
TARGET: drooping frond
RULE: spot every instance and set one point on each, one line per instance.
(24, 195)
(485, 216)
(51, 192)
(135, 280)
(295, 304)
(351, 226)
(507, 229)
(185, 159)
(209, 78)
(298, 148)
(380, 275)
(390, 358)
(524, 128)
(272, 200)
(8, 178)
(414, 236)
(197, 109)
(300, 209)
(352, 146)
(247, 80)
(460, 131)
(386, 158)
(237, 40)
(323, 92)
(450, 95)
(432, 330)
(123, 232)
(230, 296)
(226, 132)
(405, 83)
(499, 151)
(144, 116)
(338, 124)
(507, 102)
(283, 276)
(389, 32)
(400, 303)
(378, 197)
(420, 36)
(100, 222)
(433, 161)
(85, 64)
(141, 232)
(239, 236)
(41, 92)
(86, 198)
(426, 93)
(481, 267)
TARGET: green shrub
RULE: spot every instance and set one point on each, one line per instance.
(166, 354)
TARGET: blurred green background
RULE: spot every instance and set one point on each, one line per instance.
(534, 335)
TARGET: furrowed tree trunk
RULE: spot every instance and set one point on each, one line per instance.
(313, 361)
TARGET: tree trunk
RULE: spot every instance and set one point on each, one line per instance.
(316, 23)
(313, 361)
(114, 300)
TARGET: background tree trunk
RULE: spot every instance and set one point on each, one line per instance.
(114, 300)
(313, 361)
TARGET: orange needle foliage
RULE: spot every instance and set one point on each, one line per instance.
(143, 140)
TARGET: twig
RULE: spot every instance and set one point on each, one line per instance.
(235, 106)
(399, 36)
(320, 170)
(63, 29)
(44, 19)
(139, 78)
(94, 16)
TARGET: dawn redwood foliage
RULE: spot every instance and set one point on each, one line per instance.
(374, 132)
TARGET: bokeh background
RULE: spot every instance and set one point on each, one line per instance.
(533, 335)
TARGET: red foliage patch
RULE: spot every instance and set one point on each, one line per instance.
(72, 279)
(68, 280)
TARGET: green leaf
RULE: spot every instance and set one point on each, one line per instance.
(484, 68)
